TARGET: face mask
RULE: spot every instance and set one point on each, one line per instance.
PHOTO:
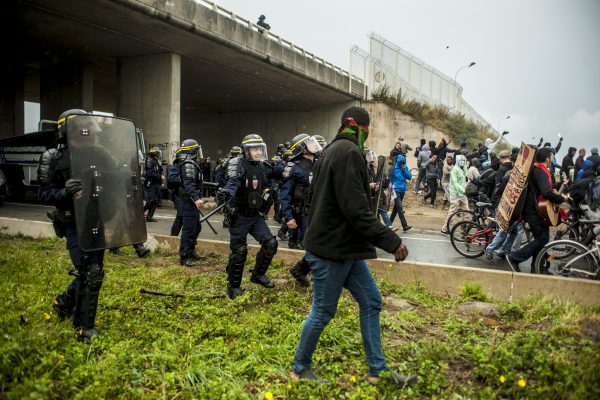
(363, 134)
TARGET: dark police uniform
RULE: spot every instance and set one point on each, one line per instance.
(297, 177)
(80, 299)
(190, 174)
(174, 185)
(153, 174)
(246, 183)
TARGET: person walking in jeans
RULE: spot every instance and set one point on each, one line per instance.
(400, 175)
(345, 234)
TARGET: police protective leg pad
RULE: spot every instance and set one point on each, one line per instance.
(93, 282)
(235, 268)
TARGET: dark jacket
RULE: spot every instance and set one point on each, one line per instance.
(567, 163)
(578, 164)
(498, 177)
(342, 225)
(538, 184)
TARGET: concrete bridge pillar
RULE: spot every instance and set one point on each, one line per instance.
(149, 94)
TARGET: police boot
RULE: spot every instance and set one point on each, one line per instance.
(141, 251)
(63, 305)
(86, 335)
(151, 210)
(292, 245)
(235, 269)
(92, 282)
(263, 260)
(188, 262)
(300, 271)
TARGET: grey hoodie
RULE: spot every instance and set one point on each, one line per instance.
(424, 156)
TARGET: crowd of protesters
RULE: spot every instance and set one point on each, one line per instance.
(481, 174)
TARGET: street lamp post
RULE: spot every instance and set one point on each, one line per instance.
(507, 117)
(457, 90)
(461, 68)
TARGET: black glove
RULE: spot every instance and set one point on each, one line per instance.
(73, 186)
(504, 133)
(222, 196)
(560, 140)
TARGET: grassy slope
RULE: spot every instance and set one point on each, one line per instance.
(455, 125)
(214, 348)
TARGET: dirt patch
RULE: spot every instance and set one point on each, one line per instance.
(590, 329)
(459, 371)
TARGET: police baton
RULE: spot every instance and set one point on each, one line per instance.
(214, 211)
(203, 218)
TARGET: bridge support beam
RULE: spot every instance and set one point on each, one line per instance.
(149, 94)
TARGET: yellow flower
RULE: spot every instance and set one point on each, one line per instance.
(502, 379)
(353, 379)
(46, 316)
(268, 396)
(289, 386)
(522, 383)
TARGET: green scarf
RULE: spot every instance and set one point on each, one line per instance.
(362, 135)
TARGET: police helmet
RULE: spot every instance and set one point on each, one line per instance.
(287, 145)
(61, 135)
(254, 148)
(321, 140)
(190, 149)
(154, 152)
(280, 147)
(303, 142)
(287, 153)
(235, 151)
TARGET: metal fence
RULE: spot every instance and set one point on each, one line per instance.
(388, 65)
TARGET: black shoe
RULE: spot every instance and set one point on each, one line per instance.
(116, 251)
(196, 257)
(281, 236)
(407, 228)
(142, 252)
(188, 262)
(293, 245)
(232, 292)
(86, 335)
(512, 264)
(62, 311)
(300, 277)
(262, 280)
(150, 219)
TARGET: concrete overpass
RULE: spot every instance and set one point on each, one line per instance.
(178, 68)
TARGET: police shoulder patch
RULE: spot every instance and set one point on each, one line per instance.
(233, 168)
(287, 170)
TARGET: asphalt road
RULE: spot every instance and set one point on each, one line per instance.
(423, 246)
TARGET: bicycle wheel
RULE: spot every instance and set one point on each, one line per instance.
(469, 239)
(460, 215)
(567, 258)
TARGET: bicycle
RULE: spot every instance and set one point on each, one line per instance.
(569, 258)
(470, 238)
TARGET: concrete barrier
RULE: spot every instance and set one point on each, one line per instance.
(437, 278)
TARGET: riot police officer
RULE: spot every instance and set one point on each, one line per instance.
(154, 178)
(248, 184)
(297, 176)
(80, 299)
(190, 174)
(174, 186)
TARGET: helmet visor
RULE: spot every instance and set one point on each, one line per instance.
(312, 145)
(255, 151)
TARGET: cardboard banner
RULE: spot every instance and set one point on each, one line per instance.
(512, 198)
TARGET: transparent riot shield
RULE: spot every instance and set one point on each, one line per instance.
(109, 210)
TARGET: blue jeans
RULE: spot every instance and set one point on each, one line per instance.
(329, 277)
(385, 217)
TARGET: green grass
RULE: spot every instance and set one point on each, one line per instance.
(153, 347)
(440, 117)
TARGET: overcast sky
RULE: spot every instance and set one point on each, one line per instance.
(537, 61)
